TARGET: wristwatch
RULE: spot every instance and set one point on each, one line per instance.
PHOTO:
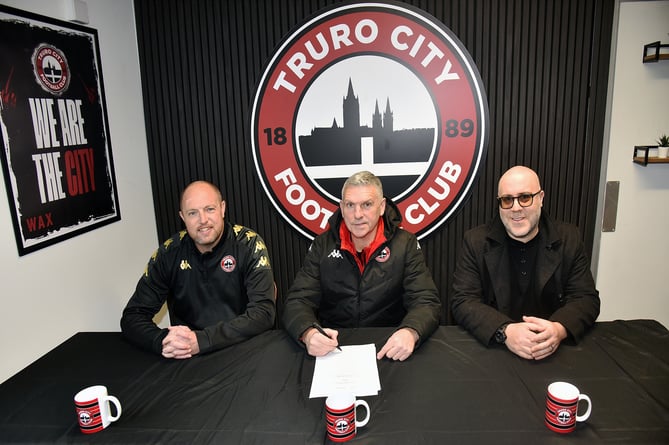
(500, 335)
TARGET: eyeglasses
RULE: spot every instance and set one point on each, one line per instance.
(524, 200)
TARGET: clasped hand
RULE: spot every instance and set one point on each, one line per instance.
(399, 346)
(534, 338)
(180, 343)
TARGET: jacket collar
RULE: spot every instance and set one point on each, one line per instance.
(389, 223)
(392, 220)
(549, 236)
(347, 243)
(227, 233)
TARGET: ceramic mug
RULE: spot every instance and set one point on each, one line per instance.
(93, 409)
(340, 416)
(562, 400)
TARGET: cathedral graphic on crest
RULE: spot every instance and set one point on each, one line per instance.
(338, 145)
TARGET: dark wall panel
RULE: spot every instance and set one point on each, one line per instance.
(544, 65)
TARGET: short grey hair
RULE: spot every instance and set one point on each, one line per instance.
(363, 178)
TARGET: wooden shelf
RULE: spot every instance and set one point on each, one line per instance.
(655, 58)
(645, 161)
(641, 157)
(658, 51)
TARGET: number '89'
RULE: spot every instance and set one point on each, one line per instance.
(464, 128)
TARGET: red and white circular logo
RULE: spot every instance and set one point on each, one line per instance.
(371, 86)
(563, 416)
(51, 69)
(342, 425)
(228, 263)
(85, 417)
(384, 255)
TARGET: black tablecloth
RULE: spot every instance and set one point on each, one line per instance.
(452, 390)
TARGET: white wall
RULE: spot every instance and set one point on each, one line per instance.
(633, 261)
(82, 284)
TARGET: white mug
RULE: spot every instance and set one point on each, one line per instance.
(93, 409)
(340, 416)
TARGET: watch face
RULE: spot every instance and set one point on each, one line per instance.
(500, 336)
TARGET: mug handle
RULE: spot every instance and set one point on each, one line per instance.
(587, 412)
(359, 423)
(116, 403)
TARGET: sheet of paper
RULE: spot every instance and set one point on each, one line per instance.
(353, 369)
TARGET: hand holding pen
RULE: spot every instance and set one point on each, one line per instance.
(318, 347)
(322, 331)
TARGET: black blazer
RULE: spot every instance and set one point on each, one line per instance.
(481, 295)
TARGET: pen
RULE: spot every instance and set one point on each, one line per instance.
(320, 329)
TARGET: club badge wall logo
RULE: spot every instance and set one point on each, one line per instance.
(51, 69)
(382, 87)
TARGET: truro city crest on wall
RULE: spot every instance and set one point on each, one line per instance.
(382, 87)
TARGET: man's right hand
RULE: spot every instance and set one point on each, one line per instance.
(180, 343)
(520, 339)
(318, 344)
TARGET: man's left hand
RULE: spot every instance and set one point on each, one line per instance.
(400, 345)
(549, 335)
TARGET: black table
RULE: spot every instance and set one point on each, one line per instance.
(451, 391)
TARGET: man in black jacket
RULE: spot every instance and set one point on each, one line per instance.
(363, 271)
(524, 280)
(215, 277)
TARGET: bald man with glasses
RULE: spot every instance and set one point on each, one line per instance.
(523, 280)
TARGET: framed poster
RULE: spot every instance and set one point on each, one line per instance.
(56, 151)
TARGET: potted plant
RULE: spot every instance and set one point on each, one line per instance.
(663, 146)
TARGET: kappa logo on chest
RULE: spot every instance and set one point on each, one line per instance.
(335, 254)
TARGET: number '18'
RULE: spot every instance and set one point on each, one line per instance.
(278, 136)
